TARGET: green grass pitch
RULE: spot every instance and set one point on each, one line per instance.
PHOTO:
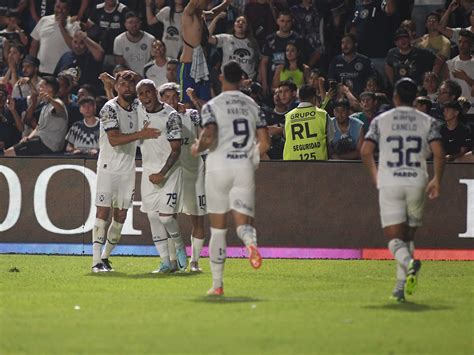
(53, 305)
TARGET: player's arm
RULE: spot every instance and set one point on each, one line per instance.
(367, 155)
(157, 178)
(206, 139)
(433, 187)
(263, 140)
(117, 138)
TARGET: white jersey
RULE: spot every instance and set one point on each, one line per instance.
(191, 121)
(155, 73)
(155, 152)
(237, 117)
(243, 51)
(135, 54)
(403, 135)
(121, 158)
(171, 32)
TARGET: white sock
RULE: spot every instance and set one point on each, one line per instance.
(171, 249)
(172, 227)
(159, 235)
(217, 256)
(411, 248)
(98, 240)
(247, 234)
(113, 237)
(196, 245)
(399, 250)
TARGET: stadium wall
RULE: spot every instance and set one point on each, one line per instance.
(304, 210)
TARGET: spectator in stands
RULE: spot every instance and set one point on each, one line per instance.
(85, 59)
(373, 28)
(351, 68)
(307, 22)
(449, 90)
(133, 47)
(430, 84)
(52, 37)
(410, 27)
(407, 61)
(238, 46)
(261, 16)
(293, 70)
(423, 104)
(368, 104)
(11, 125)
(348, 133)
(66, 84)
(461, 68)
(157, 68)
(86, 90)
(13, 32)
(30, 69)
(11, 6)
(40, 8)
(172, 71)
(456, 137)
(105, 23)
(83, 136)
(434, 40)
(276, 123)
(273, 53)
(170, 17)
(453, 33)
(421, 9)
(16, 53)
(288, 94)
(48, 136)
(374, 84)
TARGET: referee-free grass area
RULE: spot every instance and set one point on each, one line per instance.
(54, 305)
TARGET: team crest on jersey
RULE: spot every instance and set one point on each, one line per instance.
(143, 46)
(127, 49)
(364, 14)
(359, 66)
(116, 18)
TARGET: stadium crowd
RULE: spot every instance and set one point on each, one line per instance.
(54, 56)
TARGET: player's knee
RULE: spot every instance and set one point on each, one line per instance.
(166, 219)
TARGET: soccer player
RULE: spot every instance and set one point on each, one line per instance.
(404, 137)
(232, 124)
(194, 198)
(162, 174)
(116, 166)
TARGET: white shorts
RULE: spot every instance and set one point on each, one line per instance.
(231, 189)
(115, 190)
(401, 203)
(165, 197)
(194, 197)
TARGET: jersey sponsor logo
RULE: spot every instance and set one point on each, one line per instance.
(242, 52)
(172, 31)
(405, 173)
(237, 155)
(241, 204)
